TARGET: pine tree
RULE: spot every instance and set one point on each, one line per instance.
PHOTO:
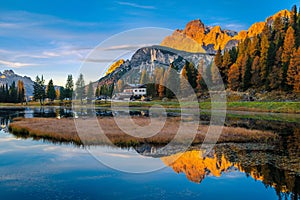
(255, 71)
(68, 92)
(254, 49)
(184, 83)
(246, 72)
(292, 69)
(191, 73)
(80, 89)
(233, 54)
(264, 45)
(278, 31)
(288, 45)
(90, 91)
(161, 87)
(172, 82)
(13, 93)
(294, 17)
(97, 92)
(276, 74)
(234, 77)
(51, 94)
(218, 68)
(227, 62)
(201, 86)
(62, 94)
(57, 93)
(39, 89)
(288, 48)
(21, 91)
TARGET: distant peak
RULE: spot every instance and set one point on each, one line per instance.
(8, 72)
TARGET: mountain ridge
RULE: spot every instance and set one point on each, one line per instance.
(197, 37)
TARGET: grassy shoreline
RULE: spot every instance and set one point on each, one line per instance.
(272, 107)
(64, 130)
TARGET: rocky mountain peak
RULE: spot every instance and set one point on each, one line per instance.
(8, 72)
(197, 36)
(9, 76)
(211, 38)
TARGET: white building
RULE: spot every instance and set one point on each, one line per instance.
(137, 90)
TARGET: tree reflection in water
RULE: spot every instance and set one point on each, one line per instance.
(276, 165)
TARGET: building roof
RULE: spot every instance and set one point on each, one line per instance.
(135, 86)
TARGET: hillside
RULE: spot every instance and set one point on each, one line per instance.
(8, 77)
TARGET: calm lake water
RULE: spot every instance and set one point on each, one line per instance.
(37, 169)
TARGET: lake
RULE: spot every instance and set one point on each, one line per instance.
(42, 169)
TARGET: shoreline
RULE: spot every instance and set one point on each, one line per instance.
(254, 106)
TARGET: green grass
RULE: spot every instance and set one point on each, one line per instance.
(274, 107)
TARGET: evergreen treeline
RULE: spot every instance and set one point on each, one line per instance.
(12, 93)
(269, 61)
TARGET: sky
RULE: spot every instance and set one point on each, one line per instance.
(53, 37)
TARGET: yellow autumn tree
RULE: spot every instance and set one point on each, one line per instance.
(234, 77)
(293, 70)
(288, 45)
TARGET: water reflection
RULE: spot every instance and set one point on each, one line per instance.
(261, 162)
(276, 166)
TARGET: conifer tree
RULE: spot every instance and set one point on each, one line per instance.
(292, 69)
(265, 44)
(13, 93)
(51, 94)
(288, 48)
(21, 91)
(200, 81)
(172, 82)
(184, 83)
(68, 91)
(161, 87)
(234, 77)
(80, 89)
(90, 91)
(255, 71)
(39, 89)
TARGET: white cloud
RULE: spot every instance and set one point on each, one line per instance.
(135, 5)
(16, 64)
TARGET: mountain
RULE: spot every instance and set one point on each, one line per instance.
(265, 59)
(150, 58)
(196, 37)
(8, 76)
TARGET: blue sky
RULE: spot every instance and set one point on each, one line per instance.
(54, 37)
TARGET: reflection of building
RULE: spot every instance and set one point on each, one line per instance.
(137, 90)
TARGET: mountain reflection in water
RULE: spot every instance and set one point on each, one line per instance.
(274, 167)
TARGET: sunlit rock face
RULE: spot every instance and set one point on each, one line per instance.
(196, 37)
(114, 66)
